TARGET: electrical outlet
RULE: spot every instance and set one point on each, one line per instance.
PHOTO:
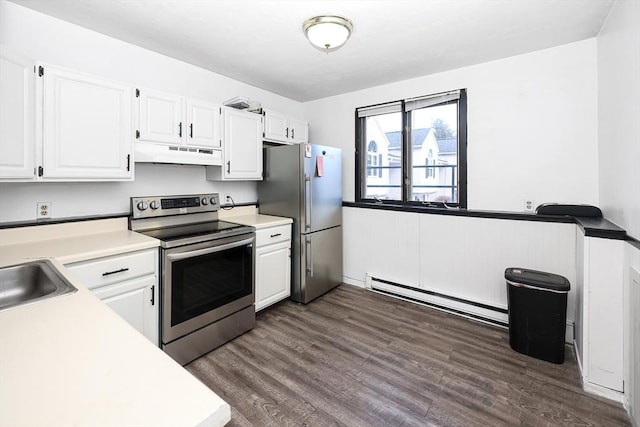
(43, 210)
(529, 206)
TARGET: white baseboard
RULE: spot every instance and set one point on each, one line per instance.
(352, 281)
(603, 391)
(578, 359)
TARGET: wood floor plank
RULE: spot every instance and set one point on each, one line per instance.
(358, 358)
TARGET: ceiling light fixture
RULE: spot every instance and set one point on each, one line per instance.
(327, 32)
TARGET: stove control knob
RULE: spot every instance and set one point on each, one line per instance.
(205, 202)
(142, 206)
(154, 204)
(213, 201)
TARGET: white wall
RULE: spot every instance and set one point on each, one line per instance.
(532, 126)
(619, 149)
(53, 41)
(532, 134)
(619, 115)
(457, 256)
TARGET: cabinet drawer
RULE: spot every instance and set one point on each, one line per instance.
(103, 271)
(270, 235)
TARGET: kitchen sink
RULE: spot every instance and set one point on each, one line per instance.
(30, 282)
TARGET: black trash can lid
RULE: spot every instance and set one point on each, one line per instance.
(539, 279)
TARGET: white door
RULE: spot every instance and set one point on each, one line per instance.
(136, 302)
(273, 274)
(276, 126)
(242, 153)
(203, 124)
(161, 117)
(87, 127)
(17, 159)
(298, 131)
(605, 342)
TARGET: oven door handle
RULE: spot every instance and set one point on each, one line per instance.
(209, 250)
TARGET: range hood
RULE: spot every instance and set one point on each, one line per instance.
(178, 154)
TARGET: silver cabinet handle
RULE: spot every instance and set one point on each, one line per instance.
(153, 295)
(287, 132)
(229, 166)
(307, 206)
(310, 256)
(293, 133)
(276, 235)
(180, 129)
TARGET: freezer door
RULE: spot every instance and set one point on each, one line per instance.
(280, 192)
(320, 264)
(322, 195)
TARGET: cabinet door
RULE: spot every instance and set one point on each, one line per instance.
(242, 153)
(136, 302)
(16, 116)
(161, 117)
(276, 126)
(203, 124)
(273, 274)
(605, 341)
(299, 131)
(87, 127)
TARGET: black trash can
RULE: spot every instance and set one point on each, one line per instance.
(537, 313)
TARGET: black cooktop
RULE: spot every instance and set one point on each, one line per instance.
(179, 232)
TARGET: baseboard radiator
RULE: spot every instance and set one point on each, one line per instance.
(474, 310)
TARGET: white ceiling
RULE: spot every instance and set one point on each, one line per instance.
(260, 42)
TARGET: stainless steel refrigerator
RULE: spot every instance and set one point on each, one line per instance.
(304, 182)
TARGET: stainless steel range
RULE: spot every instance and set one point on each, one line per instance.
(206, 272)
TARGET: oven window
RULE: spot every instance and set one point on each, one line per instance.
(203, 283)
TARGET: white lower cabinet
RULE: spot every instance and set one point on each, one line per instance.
(128, 284)
(599, 337)
(135, 302)
(273, 265)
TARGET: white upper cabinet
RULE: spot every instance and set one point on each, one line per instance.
(242, 147)
(203, 120)
(276, 126)
(17, 157)
(281, 128)
(176, 120)
(87, 127)
(161, 117)
(299, 131)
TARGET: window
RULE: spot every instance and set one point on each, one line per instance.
(420, 144)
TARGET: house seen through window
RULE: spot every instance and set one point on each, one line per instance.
(413, 151)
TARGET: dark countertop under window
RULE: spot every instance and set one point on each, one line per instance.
(592, 227)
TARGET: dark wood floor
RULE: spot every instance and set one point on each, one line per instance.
(357, 358)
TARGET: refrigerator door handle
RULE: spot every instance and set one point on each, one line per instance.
(307, 202)
(309, 254)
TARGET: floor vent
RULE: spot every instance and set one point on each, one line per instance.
(474, 310)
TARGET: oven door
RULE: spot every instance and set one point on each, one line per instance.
(204, 282)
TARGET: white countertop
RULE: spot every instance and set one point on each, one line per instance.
(71, 361)
(259, 221)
